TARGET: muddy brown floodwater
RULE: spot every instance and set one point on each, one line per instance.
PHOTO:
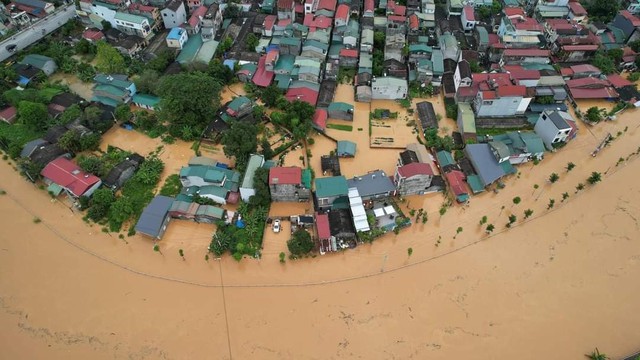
(558, 284)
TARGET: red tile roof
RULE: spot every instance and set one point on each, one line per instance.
(285, 4)
(468, 13)
(528, 24)
(577, 9)
(488, 95)
(291, 175)
(456, 182)
(93, 35)
(397, 18)
(483, 80)
(627, 15)
(197, 15)
(342, 13)
(69, 176)
(413, 169)
(272, 57)
(522, 74)
(321, 22)
(584, 68)
(353, 53)
(414, 23)
(566, 72)
(320, 118)
(588, 82)
(262, 77)
(307, 95)
(569, 48)
(602, 93)
(283, 23)
(618, 81)
(513, 11)
(269, 21)
(628, 55)
(467, 91)
(369, 5)
(494, 39)
(8, 114)
(299, 8)
(526, 52)
(515, 90)
(322, 223)
(327, 5)
(396, 9)
(142, 8)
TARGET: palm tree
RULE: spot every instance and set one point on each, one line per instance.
(594, 178)
(565, 196)
(552, 202)
(528, 213)
(483, 220)
(181, 253)
(409, 251)
(516, 200)
(156, 248)
(512, 219)
(554, 177)
(458, 231)
(596, 355)
(570, 166)
(579, 187)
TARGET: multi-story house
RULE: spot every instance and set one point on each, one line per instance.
(174, 14)
(553, 127)
(133, 24)
(518, 30)
(289, 184)
(502, 101)
(150, 12)
(211, 22)
(413, 178)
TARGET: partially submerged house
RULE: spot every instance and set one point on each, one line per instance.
(43, 63)
(413, 178)
(331, 192)
(247, 188)
(63, 175)
(289, 184)
(485, 163)
(553, 127)
(113, 89)
(155, 217)
(388, 88)
(122, 172)
(340, 110)
(466, 122)
(427, 116)
(372, 186)
(456, 180)
(346, 148)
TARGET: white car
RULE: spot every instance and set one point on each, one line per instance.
(276, 226)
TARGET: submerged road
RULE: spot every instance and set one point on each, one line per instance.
(37, 31)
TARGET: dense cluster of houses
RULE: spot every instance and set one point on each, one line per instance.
(15, 15)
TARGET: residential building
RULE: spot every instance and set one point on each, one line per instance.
(553, 127)
(449, 46)
(35, 6)
(122, 172)
(8, 115)
(456, 180)
(395, 68)
(211, 22)
(145, 101)
(63, 175)
(591, 88)
(93, 35)
(629, 24)
(462, 77)
(413, 178)
(43, 63)
(330, 191)
(466, 122)
(346, 148)
(342, 15)
(518, 30)
(634, 7)
(247, 188)
(113, 89)
(468, 18)
(426, 116)
(132, 24)
(289, 184)
(348, 58)
(150, 12)
(174, 14)
(577, 12)
(517, 147)
(390, 88)
(455, 7)
(286, 9)
(485, 163)
(203, 176)
(502, 102)
(155, 217)
(519, 56)
(373, 186)
(340, 110)
(177, 38)
(195, 20)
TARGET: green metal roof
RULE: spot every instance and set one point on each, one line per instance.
(438, 62)
(468, 119)
(211, 211)
(54, 189)
(317, 44)
(346, 147)
(189, 50)
(475, 184)
(340, 106)
(238, 102)
(331, 186)
(112, 90)
(285, 63)
(306, 178)
(106, 100)
(145, 99)
(508, 168)
(414, 48)
(113, 80)
(444, 158)
(213, 191)
(290, 41)
(283, 81)
(334, 50)
(255, 162)
(136, 19)
(534, 143)
(35, 60)
(483, 35)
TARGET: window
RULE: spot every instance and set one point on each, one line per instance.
(487, 102)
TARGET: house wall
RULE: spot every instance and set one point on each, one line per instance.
(458, 81)
(247, 193)
(466, 24)
(289, 193)
(133, 28)
(548, 131)
(343, 115)
(92, 189)
(172, 19)
(217, 199)
(414, 185)
(105, 13)
(325, 203)
(49, 68)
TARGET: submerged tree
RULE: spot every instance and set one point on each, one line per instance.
(528, 213)
(553, 177)
(490, 228)
(570, 166)
(594, 178)
(596, 355)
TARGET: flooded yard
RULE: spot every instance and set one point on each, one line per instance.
(82, 89)
(395, 130)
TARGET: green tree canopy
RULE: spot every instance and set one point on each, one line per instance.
(240, 140)
(108, 59)
(220, 72)
(147, 82)
(602, 10)
(33, 115)
(261, 185)
(300, 243)
(605, 63)
(252, 41)
(189, 102)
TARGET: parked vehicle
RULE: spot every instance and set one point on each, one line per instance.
(276, 226)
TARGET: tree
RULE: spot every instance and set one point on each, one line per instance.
(231, 11)
(512, 218)
(282, 256)
(267, 152)
(252, 42)
(595, 114)
(172, 186)
(602, 10)
(579, 187)
(605, 63)
(565, 196)
(156, 248)
(516, 200)
(300, 243)
(458, 231)
(70, 141)
(483, 220)
(553, 177)
(221, 72)
(528, 213)
(33, 115)
(84, 46)
(410, 252)
(240, 140)
(615, 55)
(475, 67)
(594, 178)
(570, 166)
(443, 210)
(105, 25)
(188, 99)
(108, 59)
(552, 202)
(147, 82)
(545, 99)
(379, 39)
(270, 95)
(161, 61)
(100, 203)
(122, 113)
(262, 197)
(181, 253)
(91, 164)
(490, 228)
(451, 111)
(596, 355)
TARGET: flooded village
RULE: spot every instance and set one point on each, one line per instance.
(278, 153)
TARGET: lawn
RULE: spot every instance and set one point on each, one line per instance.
(340, 127)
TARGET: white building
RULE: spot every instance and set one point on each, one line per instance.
(553, 127)
(177, 38)
(174, 14)
(468, 18)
